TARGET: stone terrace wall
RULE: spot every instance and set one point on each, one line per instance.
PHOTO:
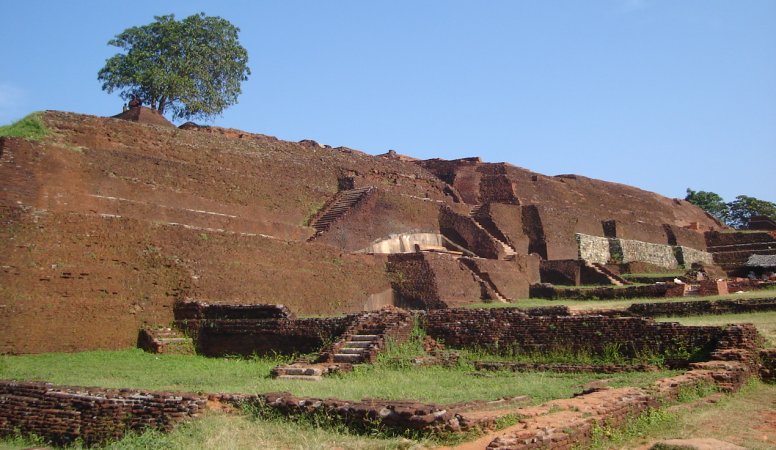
(464, 231)
(509, 329)
(594, 249)
(603, 250)
(699, 307)
(691, 256)
(430, 281)
(62, 414)
(246, 337)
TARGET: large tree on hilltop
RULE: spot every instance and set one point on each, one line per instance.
(192, 68)
(710, 202)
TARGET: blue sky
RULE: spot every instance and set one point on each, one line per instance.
(659, 94)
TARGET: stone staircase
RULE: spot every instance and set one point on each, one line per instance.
(486, 224)
(360, 344)
(165, 340)
(611, 276)
(342, 202)
(488, 286)
(357, 348)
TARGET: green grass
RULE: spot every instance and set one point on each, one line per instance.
(741, 418)
(222, 431)
(30, 127)
(388, 380)
(764, 321)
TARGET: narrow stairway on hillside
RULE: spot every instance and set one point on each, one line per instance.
(489, 288)
(486, 224)
(611, 276)
(342, 202)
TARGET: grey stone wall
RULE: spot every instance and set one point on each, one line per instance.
(691, 255)
(596, 249)
(659, 255)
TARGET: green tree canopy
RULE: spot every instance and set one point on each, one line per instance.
(743, 208)
(710, 202)
(192, 68)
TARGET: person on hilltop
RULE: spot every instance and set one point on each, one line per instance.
(135, 102)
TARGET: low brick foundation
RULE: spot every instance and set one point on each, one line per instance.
(246, 337)
(392, 414)
(550, 292)
(565, 368)
(700, 307)
(507, 330)
(768, 362)
(62, 414)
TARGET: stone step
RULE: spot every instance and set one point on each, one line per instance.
(358, 344)
(348, 358)
(364, 337)
(173, 340)
(301, 371)
(299, 377)
(352, 350)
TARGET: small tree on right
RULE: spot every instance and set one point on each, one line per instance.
(743, 208)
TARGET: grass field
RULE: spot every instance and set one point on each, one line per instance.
(391, 378)
(136, 369)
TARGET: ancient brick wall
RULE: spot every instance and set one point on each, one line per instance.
(768, 361)
(564, 272)
(699, 307)
(512, 278)
(639, 231)
(413, 279)
(509, 220)
(464, 231)
(550, 292)
(559, 227)
(62, 414)
(718, 239)
(685, 237)
(497, 188)
(509, 329)
(246, 337)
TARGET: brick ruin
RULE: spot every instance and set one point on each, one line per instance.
(64, 414)
(170, 213)
(108, 224)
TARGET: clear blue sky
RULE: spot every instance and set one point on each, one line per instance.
(660, 94)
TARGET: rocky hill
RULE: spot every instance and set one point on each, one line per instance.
(106, 222)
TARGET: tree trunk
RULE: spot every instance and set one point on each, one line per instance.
(162, 104)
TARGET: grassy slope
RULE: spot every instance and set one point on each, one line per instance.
(29, 127)
(746, 418)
